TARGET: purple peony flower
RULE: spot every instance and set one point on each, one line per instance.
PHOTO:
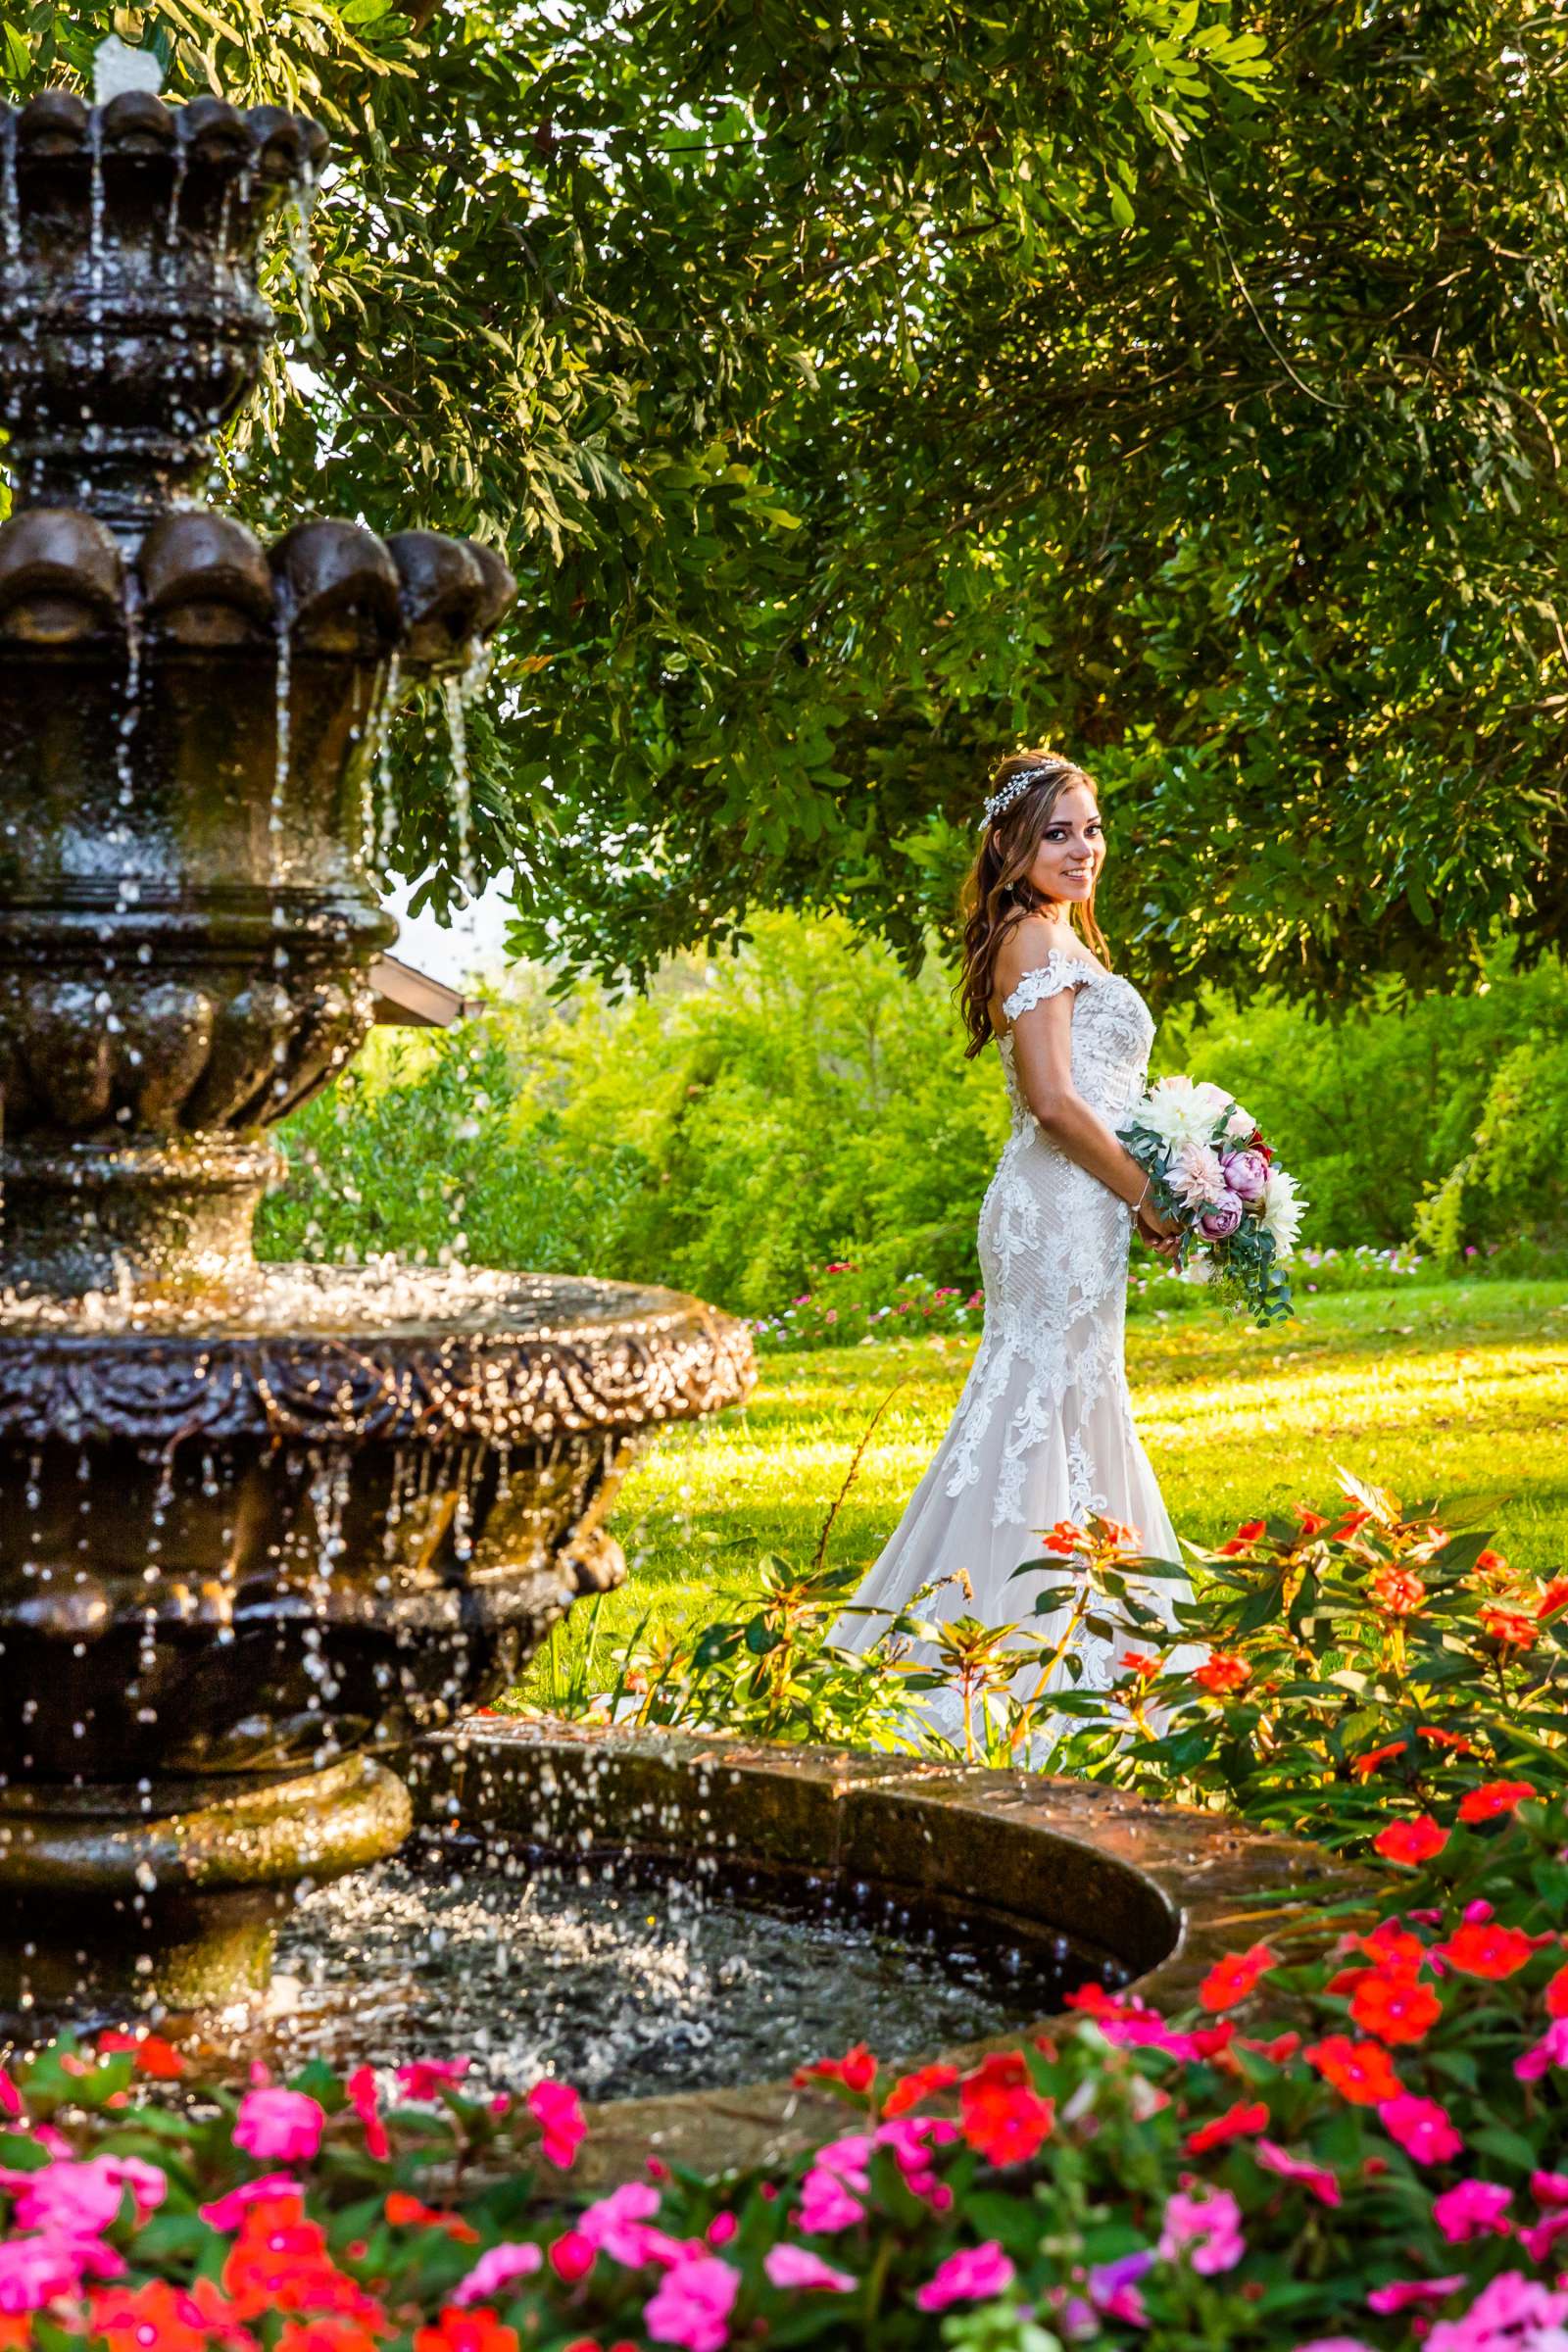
(1220, 1221)
(1247, 1174)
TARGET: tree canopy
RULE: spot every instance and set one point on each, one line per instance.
(858, 392)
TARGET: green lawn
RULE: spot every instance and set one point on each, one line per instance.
(1440, 1388)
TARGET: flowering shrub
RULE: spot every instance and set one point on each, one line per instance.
(835, 1314)
(1364, 1268)
(1355, 2138)
(1359, 1663)
(836, 1311)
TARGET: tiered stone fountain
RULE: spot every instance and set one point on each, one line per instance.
(258, 1526)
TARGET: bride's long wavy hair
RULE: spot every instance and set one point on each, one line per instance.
(998, 894)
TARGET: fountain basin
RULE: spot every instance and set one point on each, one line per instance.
(1148, 1894)
(258, 1534)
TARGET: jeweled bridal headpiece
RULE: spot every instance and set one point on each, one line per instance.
(1020, 783)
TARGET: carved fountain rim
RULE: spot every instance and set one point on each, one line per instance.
(1155, 1869)
(555, 1356)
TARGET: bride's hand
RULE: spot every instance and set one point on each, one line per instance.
(1162, 1234)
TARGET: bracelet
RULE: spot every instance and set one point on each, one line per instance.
(1143, 1196)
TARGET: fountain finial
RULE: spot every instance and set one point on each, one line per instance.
(117, 68)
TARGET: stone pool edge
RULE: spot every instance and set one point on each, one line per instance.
(1179, 1885)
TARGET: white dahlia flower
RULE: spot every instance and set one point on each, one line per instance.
(1180, 1113)
(1283, 1210)
(1196, 1175)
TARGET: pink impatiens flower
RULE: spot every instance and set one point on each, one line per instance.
(692, 2304)
(1408, 2294)
(494, 2271)
(1550, 2050)
(1323, 2183)
(558, 2111)
(1510, 2311)
(1421, 2127)
(794, 2267)
(1205, 2225)
(971, 2276)
(833, 2188)
(620, 2225)
(283, 2126)
(1539, 2241)
(1474, 2209)
(80, 2200)
(34, 2271)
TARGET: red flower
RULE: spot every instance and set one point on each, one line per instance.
(1114, 1535)
(1141, 1667)
(1512, 1629)
(1351, 1525)
(1396, 1591)
(1393, 1948)
(407, 2213)
(476, 2330)
(1278, 2052)
(280, 2262)
(1411, 1843)
(1487, 1949)
(1064, 1539)
(1365, 1766)
(1557, 1994)
(1394, 2007)
(856, 2070)
(330, 2334)
(360, 2088)
(1222, 1671)
(1312, 1522)
(911, 2089)
(1456, 1740)
(1246, 2116)
(1001, 2114)
(1233, 1978)
(1245, 1538)
(154, 2057)
(154, 2318)
(1492, 1799)
(1361, 2072)
(1492, 1563)
(1553, 1596)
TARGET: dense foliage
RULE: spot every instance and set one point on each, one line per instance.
(1354, 2139)
(858, 392)
(754, 1121)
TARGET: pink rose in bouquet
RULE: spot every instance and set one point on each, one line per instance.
(1221, 1219)
(1246, 1174)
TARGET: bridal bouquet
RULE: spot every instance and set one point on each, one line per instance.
(1208, 1166)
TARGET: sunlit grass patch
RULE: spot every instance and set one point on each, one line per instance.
(1436, 1390)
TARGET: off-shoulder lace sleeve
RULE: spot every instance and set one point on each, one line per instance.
(1058, 971)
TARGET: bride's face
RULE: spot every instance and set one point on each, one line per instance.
(1072, 848)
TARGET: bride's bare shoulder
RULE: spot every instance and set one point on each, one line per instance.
(1029, 944)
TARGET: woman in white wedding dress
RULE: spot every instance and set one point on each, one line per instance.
(1044, 1429)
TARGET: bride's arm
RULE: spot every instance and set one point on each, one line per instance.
(1041, 1052)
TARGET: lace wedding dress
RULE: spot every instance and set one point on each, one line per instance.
(1044, 1429)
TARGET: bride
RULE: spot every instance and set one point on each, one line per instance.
(1044, 1429)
